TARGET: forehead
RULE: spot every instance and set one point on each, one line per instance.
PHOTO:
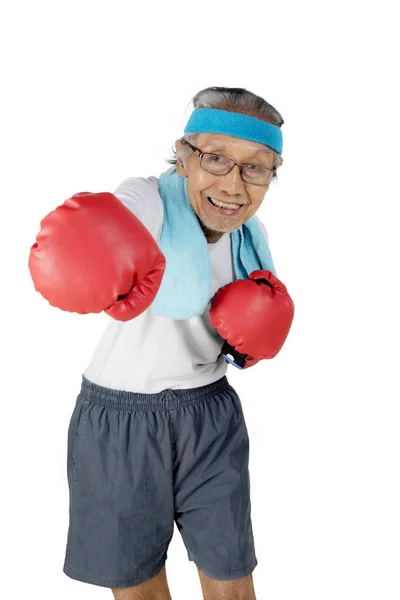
(214, 142)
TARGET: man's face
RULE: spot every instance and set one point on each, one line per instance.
(203, 187)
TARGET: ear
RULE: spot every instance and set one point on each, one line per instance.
(180, 165)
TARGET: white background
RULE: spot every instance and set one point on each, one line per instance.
(94, 92)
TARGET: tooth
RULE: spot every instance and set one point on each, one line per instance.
(224, 205)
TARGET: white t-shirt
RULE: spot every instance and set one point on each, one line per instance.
(149, 354)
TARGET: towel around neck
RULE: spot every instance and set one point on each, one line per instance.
(185, 290)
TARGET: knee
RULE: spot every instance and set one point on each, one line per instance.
(129, 594)
(154, 589)
(232, 596)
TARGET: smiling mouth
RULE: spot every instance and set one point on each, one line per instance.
(225, 205)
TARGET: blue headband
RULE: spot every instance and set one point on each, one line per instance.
(211, 120)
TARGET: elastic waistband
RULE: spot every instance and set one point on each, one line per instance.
(133, 401)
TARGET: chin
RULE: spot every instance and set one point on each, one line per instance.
(205, 222)
(222, 226)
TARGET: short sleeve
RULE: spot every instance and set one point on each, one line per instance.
(141, 196)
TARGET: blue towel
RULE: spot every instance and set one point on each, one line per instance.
(185, 290)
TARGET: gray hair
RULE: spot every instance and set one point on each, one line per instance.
(235, 100)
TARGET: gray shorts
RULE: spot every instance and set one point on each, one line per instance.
(138, 463)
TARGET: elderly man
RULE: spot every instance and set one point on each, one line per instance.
(157, 436)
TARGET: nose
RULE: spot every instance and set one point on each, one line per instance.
(232, 183)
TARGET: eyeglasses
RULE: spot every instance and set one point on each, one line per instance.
(217, 164)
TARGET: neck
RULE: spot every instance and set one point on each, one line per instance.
(211, 236)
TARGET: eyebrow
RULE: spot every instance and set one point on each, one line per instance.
(218, 146)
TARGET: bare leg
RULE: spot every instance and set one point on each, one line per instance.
(154, 589)
(240, 589)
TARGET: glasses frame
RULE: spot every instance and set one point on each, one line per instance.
(235, 164)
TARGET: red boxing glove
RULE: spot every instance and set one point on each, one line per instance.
(253, 316)
(93, 254)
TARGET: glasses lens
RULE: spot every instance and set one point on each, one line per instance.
(256, 174)
(215, 163)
